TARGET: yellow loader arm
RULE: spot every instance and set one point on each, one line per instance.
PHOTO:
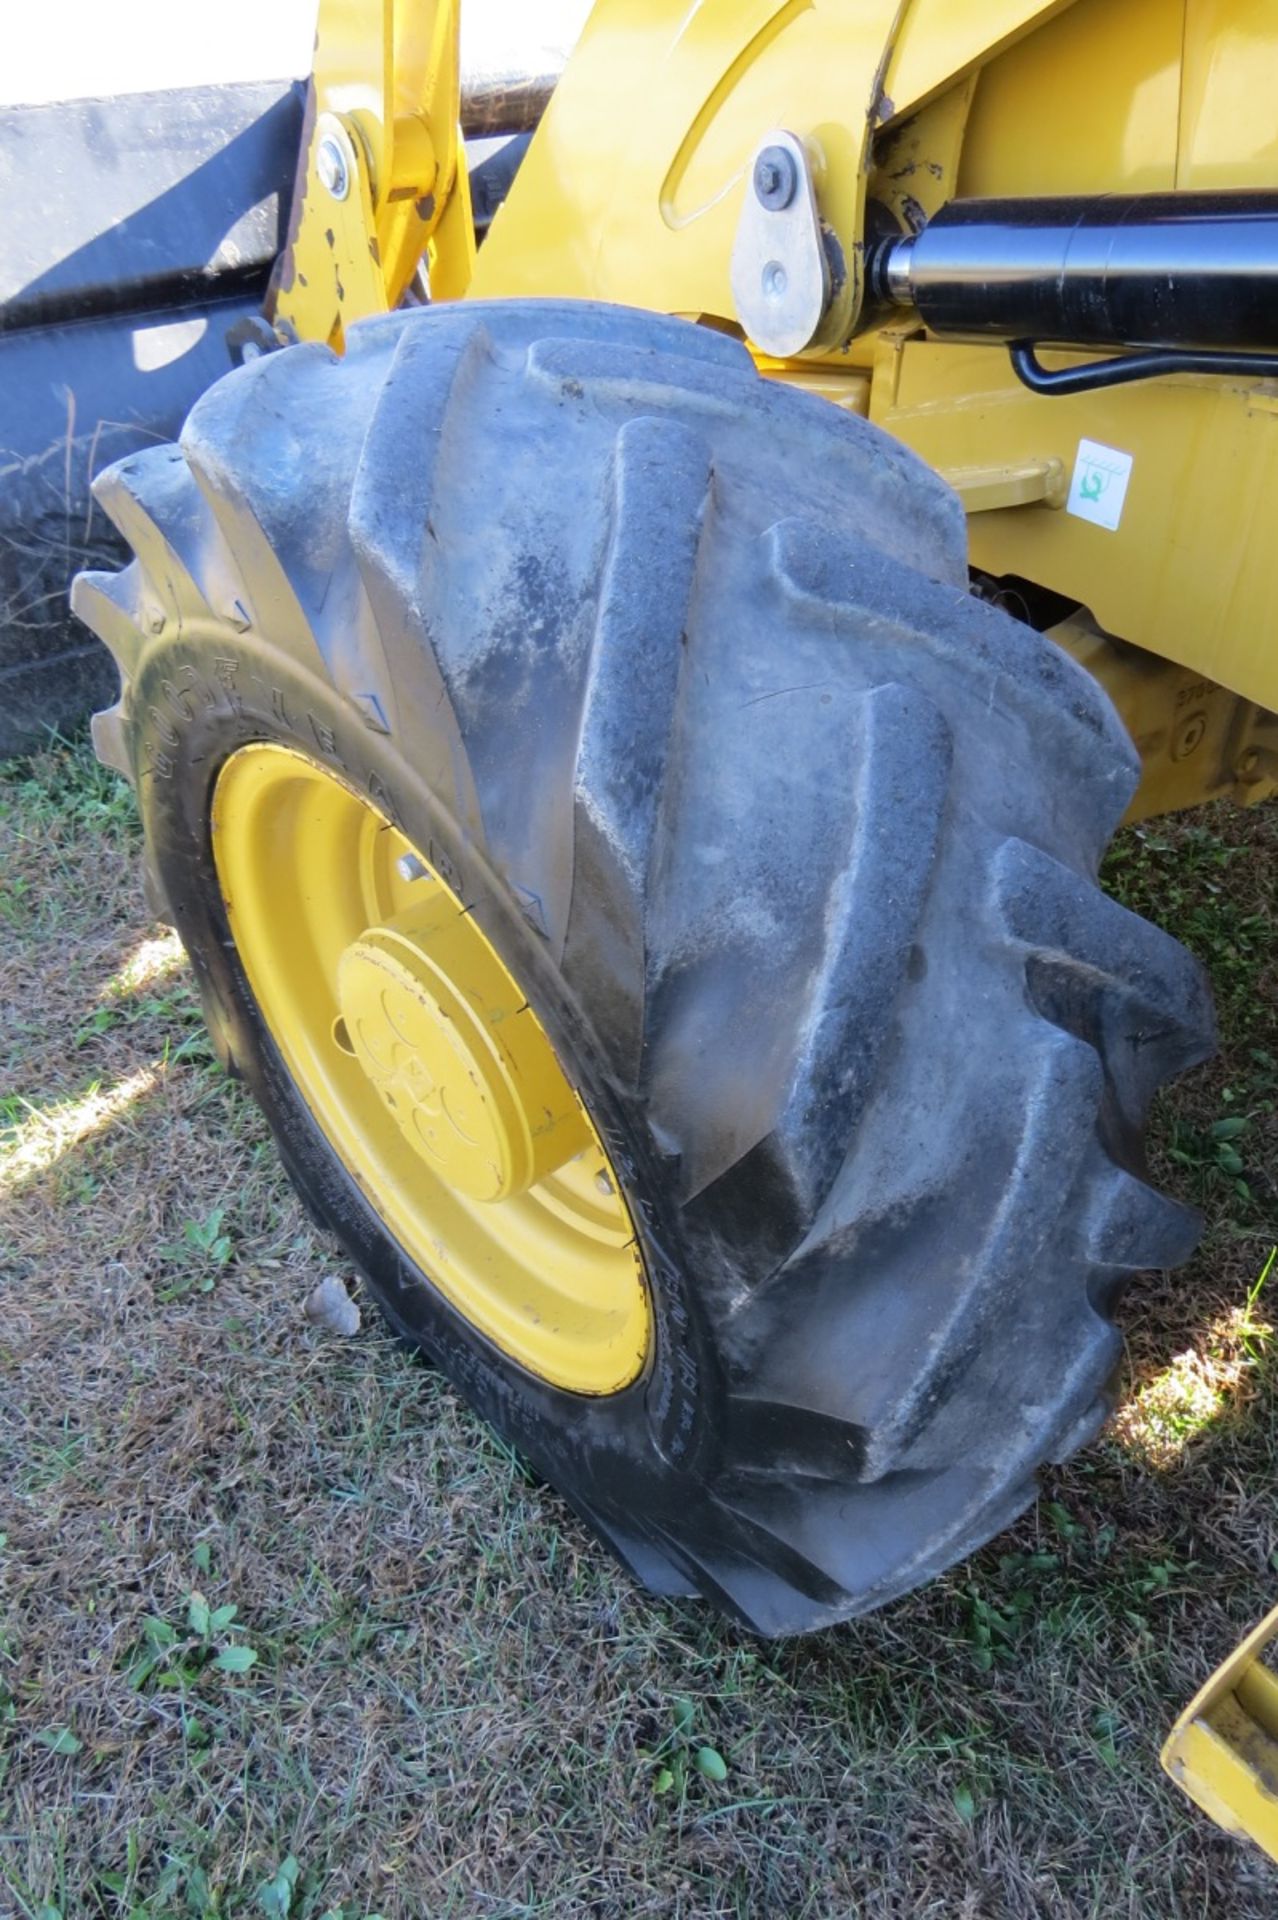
(381, 180)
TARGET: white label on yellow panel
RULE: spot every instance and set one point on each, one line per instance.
(1099, 486)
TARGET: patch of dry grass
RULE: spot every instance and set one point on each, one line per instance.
(457, 1706)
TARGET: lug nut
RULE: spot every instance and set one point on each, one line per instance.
(409, 867)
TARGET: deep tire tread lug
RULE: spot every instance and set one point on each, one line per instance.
(153, 500)
(110, 605)
(641, 647)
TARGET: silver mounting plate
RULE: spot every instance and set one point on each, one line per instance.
(780, 276)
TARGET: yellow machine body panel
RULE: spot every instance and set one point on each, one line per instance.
(1189, 573)
(1175, 97)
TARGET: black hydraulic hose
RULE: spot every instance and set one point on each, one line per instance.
(1124, 367)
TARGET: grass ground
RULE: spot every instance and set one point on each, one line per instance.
(435, 1696)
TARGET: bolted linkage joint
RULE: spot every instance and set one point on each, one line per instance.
(780, 275)
(331, 168)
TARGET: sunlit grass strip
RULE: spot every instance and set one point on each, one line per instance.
(38, 1142)
(151, 960)
(1201, 1384)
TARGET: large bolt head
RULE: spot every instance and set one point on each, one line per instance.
(331, 167)
(776, 178)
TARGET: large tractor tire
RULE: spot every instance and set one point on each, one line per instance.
(655, 905)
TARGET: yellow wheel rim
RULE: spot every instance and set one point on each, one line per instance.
(432, 1078)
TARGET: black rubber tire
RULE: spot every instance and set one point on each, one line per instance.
(793, 844)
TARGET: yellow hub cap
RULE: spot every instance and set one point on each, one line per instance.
(465, 1069)
(432, 1078)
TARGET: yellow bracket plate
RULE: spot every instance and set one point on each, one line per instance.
(1223, 1750)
